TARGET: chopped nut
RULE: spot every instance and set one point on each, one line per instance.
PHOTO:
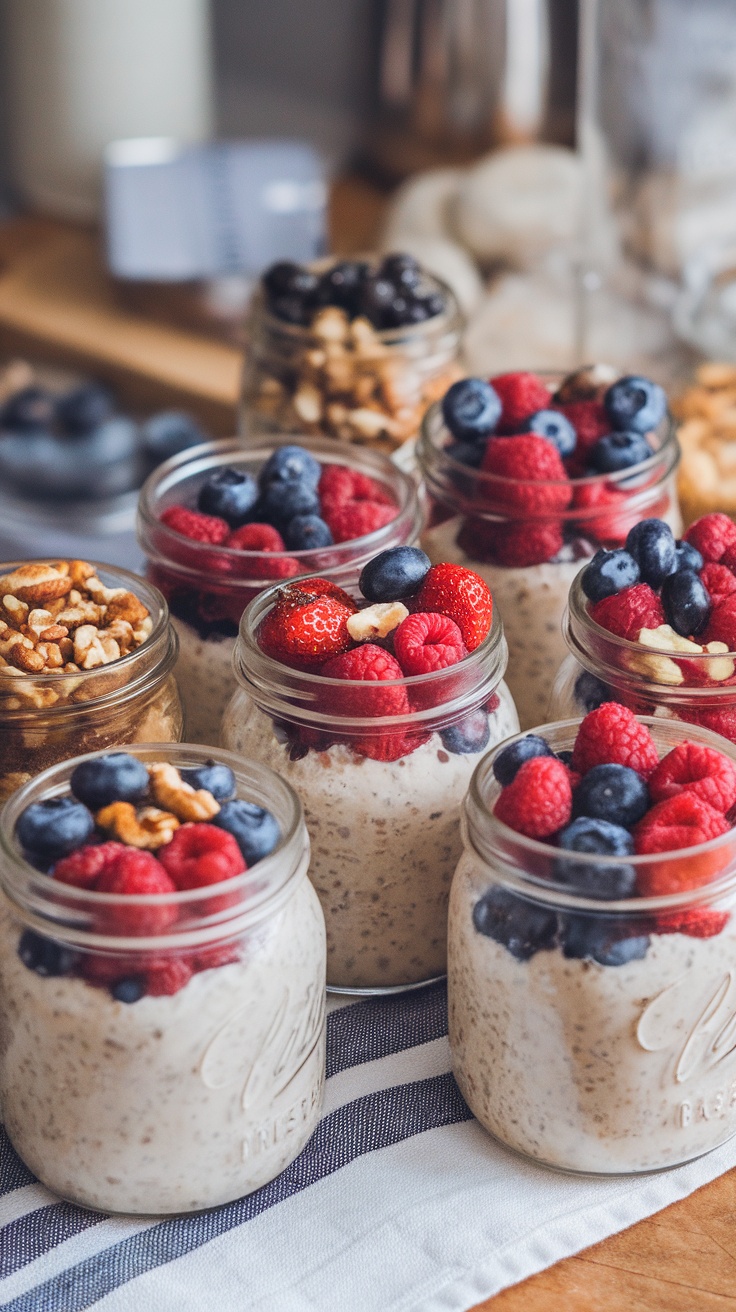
(170, 791)
(16, 610)
(35, 583)
(367, 423)
(88, 651)
(722, 668)
(308, 404)
(657, 667)
(376, 621)
(149, 830)
(330, 324)
(126, 606)
(38, 620)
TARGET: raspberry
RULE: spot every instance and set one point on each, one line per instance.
(611, 521)
(680, 822)
(590, 421)
(540, 483)
(515, 543)
(339, 484)
(217, 954)
(693, 768)
(701, 922)
(538, 802)
(201, 854)
(136, 873)
(722, 722)
(199, 528)
(611, 734)
(722, 624)
(719, 582)
(256, 537)
(462, 595)
(712, 535)
(304, 635)
(353, 519)
(167, 976)
(272, 566)
(425, 642)
(373, 667)
(521, 396)
(83, 867)
(627, 613)
(728, 559)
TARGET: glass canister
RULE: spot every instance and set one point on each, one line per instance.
(49, 715)
(208, 588)
(593, 1036)
(529, 557)
(177, 1100)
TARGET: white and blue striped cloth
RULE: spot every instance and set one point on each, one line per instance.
(399, 1203)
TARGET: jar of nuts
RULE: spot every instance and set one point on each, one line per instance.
(86, 660)
(356, 350)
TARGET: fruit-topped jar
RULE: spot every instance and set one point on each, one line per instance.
(376, 708)
(220, 526)
(529, 476)
(162, 968)
(592, 938)
(653, 625)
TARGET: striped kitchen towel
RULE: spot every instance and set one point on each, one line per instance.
(399, 1203)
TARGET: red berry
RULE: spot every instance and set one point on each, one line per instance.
(304, 635)
(538, 482)
(425, 642)
(256, 537)
(712, 535)
(353, 519)
(728, 559)
(680, 822)
(84, 866)
(538, 802)
(200, 528)
(167, 976)
(694, 768)
(135, 873)
(515, 543)
(201, 854)
(373, 667)
(217, 954)
(590, 421)
(521, 395)
(722, 722)
(698, 922)
(719, 582)
(601, 512)
(461, 594)
(611, 734)
(272, 566)
(339, 484)
(296, 594)
(627, 613)
(722, 624)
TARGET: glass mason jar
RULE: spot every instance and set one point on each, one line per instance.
(208, 587)
(381, 794)
(48, 717)
(472, 522)
(601, 667)
(367, 385)
(601, 1040)
(176, 1102)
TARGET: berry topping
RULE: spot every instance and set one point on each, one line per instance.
(462, 595)
(652, 545)
(167, 976)
(518, 925)
(467, 736)
(228, 494)
(694, 768)
(216, 778)
(718, 581)
(609, 940)
(615, 793)
(290, 464)
(354, 519)
(538, 801)
(307, 533)
(628, 612)
(682, 821)
(256, 537)
(339, 484)
(55, 827)
(696, 922)
(722, 624)
(712, 535)
(394, 574)
(612, 734)
(44, 956)
(591, 692)
(686, 603)
(635, 403)
(426, 642)
(199, 528)
(129, 990)
(296, 594)
(537, 479)
(471, 409)
(598, 837)
(609, 572)
(368, 664)
(305, 634)
(515, 543)
(254, 829)
(201, 854)
(522, 395)
(281, 502)
(116, 777)
(555, 427)
(618, 451)
(510, 759)
(135, 874)
(590, 421)
(611, 520)
(688, 557)
(83, 867)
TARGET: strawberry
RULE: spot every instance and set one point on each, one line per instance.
(696, 922)
(462, 595)
(306, 633)
(309, 589)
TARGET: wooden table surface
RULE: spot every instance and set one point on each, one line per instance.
(57, 304)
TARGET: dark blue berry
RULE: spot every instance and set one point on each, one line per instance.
(591, 692)
(281, 502)
(395, 573)
(596, 879)
(402, 270)
(166, 434)
(652, 545)
(288, 279)
(116, 777)
(129, 990)
(28, 410)
(686, 602)
(618, 451)
(306, 533)
(635, 403)
(609, 940)
(290, 464)
(254, 829)
(471, 408)
(84, 409)
(688, 557)
(612, 792)
(296, 310)
(55, 828)
(434, 303)
(218, 779)
(466, 453)
(44, 956)
(397, 313)
(468, 735)
(375, 297)
(230, 494)
(555, 427)
(609, 572)
(565, 757)
(341, 285)
(510, 760)
(518, 925)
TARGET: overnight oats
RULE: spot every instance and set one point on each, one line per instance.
(354, 349)
(219, 527)
(592, 989)
(87, 654)
(528, 482)
(161, 1039)
(376, 709)
(653, 625)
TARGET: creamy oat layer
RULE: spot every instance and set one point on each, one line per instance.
(204, 673)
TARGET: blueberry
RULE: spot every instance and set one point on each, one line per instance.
(218, 779)
(418, 310)
(591, 692)
(281, 502)
(471, 408)
(29, 409)
(652, 545)
(292, 309)
(290, 464)
(116, 777)
(397, 313)
(688, 557)
(612, 792)
(518, 925)
(55, 828)
(44, 956)
(510, 760)
(605, 939)
(376, 295)
(468, 735)
(608, 573)
(686, 602)
(288, 279)
(254, 829)
(230, 494)
(166, 434)
(84, 409)
(402, 270)
(618, 451)
(597, 879)
(635, 403)
(555, 427)
(434, 303)
(466, 453)
(394, 573)
(306, 533)
(129, 990)
(341, 285)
